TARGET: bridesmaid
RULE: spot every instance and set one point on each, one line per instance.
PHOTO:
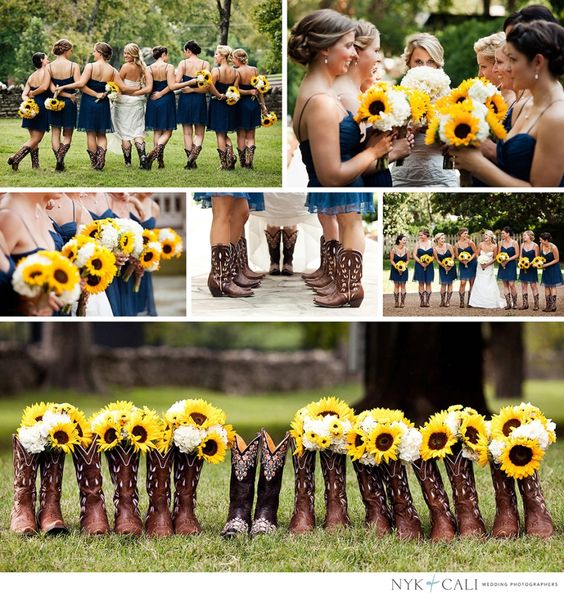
(424, 274)
(9, 302)
(94, 114)
(399, 253)
(192, 107)
(447, 274)
(503, 81)
(221, 117)
(531, 155)
(466, 270)
(37, 88)
(507, 273)
(485, 49)
(323, 41)
(530, 276)
(161, 107)
(63, 123)
(248, 110)
(551, 273)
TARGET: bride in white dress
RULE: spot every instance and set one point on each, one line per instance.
(485, 292)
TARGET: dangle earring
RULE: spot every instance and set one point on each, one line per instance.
(536, 75)
(325, 60)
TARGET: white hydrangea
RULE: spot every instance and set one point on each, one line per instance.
(496, 448)
(34, 438)
(187, 438)
(109, 237)
(481, 91)
(533, 430)
(410, 445)
(368, 424)
(433, 81)
(50, 419)
(167, 234)
(84, 254)
(453, 421)
(218, 430)
(20, 286)
(399, 115)
(177, 408)
(484, 259)
(318, 426)
(70, 297)
(488, 429)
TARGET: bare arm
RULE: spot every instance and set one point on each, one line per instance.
(44, 86)
(392, 252)
(148, 84)
(556, 260)
(516, 246)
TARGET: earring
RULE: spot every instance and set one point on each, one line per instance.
(325, 60)
(536, 75)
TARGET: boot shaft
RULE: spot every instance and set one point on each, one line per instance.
(404, 514)
(34, 154)
(187, 470)
(22, 518)
(250, 156)
(273, 242)
(289, 243)
(303, 517)
(333, 469)
(506, 522)
(49, 516)
(373, 496)
(159, 519)
(538, 521)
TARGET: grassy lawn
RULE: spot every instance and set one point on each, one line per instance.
(267, 171)
(354, 549)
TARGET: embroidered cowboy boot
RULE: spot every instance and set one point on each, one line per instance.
(319, 271)
(303, 517)
(17, 157)
(242, 156)
(196, 150)
(461, 295)
(525, 302)
(273, 242)
(242, 247)
(402, 301)
(60, 156)
(222, 159)
(158, 521)
(448, 298)
(237, 273)
(325, 285)
(396, 300)
(333, 468)
(536, 305)
(289, 244)
(92, 155)
(88, 468)
(126, 155)
(230, 157)
(272, 459)
(49, 516)
(140, 146)
(160, 157)
(34, 154)
(405, 517)
(506, 522)
(220, 282)
(348, 281)
(250, 156)
(100, 158)
(241, 486)
(187, 470)
(153, 155)
(22, 519)
(537, 517)
(374, 497)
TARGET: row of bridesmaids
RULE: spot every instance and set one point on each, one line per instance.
(146, 101)
(30, 223)
(451, 266)
(342, 57)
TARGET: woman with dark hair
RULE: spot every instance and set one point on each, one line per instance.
(507, 271)
(551, 273)
(424, 272)
(36, 88)
(529, 276)
(63, 123)
(192, 107)
(399, 253)
(94, 115)
(467, 264)
(528, 14)
(447, 273)
(532, 154)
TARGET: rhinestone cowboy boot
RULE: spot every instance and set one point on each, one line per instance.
(187, 470)
(22, 519)
(158, 521)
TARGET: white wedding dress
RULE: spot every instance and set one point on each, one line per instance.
(485, 292)
(128, 114)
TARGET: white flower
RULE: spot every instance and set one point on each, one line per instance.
(481, 91)
(109, 237)
(18, 282)
(532, 430)
(218, 430)
(187, 438)
(34, 438)
(318, 426)
(469, 454)
(400, 112)
(452, 421)
(368, 424)
(488, 429)
(50, 419)
(177, 408)
(71, 296)
(434, 81)
(410, 445)
(484, 259)
(84, 254)
(496, 448)
(167, 234)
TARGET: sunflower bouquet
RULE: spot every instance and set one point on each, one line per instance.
(520, 436)
(54, 104)
(524, 263)
(400, 266)
(47, 272)
(384, 107)
(268, 119)
(383, 435)
(322, 425)
(426, 259)
(260, 83)
(484, 259)
(232, 95)
(196, 427)
(470, 429)
(538, 262)
(171, 243)
(448, 262)
(203, 78)
(112, 90)
(502, 258)
(464, 257)
(28, 109)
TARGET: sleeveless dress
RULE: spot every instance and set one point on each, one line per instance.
(509, 273)
(247, 111)
(67, 230)
(424, 275)
(144, 299)
(161, 113)
(378, 179)
(446, 278)
(551, 276)
(467, 272)
(94, 116)
(531, 275)
(221, 117)
(485, 292)
(128, 114)
(192, 107)
(396, 275)
(66, 118)
(340, 202)
(8, 297)
(255, 199)
(41, 121)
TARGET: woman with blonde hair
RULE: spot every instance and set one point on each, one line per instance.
(485, 49)
(485, 292)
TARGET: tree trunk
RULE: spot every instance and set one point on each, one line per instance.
(224, 19)
(507, 359)
(487, 6)
(423, 367)
(119, 334)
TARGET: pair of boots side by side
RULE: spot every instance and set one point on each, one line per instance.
(192, 155)
(15, 160)
(246, 156)
(346, 280)
(281, 244)
(227, 158)
(97, 158)
(226, 278)
(244, 461)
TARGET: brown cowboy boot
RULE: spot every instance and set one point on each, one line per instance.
(536, 305)
(160, 157)
(140, 146)
(443, 300)
(348, 282)
(196, 150)
(402, 300)
(333, 468)
(100, 158)
(427, 298)
(374, 497)
(220, 281)
(443, 524)
(188, 155)
(525, 302)
(250, 156)
(158, 521)
(553, 307)
(222, 159)
(460, 473)
(230, 157)
(461, 295)
(60, 156)
(242, 246)
(325, 284)
(22, 519)
(154, 154)
(273, 242)
(421, 298)
(448, 298)
(405, 517)
(242, 156)
(49, 516)
(126, 155)
(289, 243)
(506, 523)
(16, 158)
(241, 486)
(237, 273)
(272, 459)
(507, 301)
(187, 469)
(88, 469)
(34, 154)
(537, 517)
(124, 465)
(93, 158)
(396, 300)
(303, 517)
(319, 271)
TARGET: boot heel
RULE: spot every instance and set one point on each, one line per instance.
(216, 292)
(356, 301)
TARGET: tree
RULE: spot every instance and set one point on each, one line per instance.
(507, 359)
(33, 39)
(268, 18)
(224, 11)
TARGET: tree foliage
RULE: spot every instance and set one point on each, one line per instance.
(33, 37)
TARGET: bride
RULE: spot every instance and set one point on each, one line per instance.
(485, 292)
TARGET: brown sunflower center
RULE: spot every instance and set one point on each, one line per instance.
(472, 434)
(96, 263)
(520, 455)
(510, 425)
(376, 107)
(210, 449)
(140, 432)
(358, 441)
(167, 248)
(110, 435)
(148, 257)
(462, 130)
(39, 418)
(93, 280)
(61, 437)
(35, 273)
(326, 413)
(438, 440)
(61, 276)
(384, 442)
(198, 418)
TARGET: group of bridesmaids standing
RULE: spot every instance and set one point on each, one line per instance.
(465, 271)
(31, 222)
(146, 101)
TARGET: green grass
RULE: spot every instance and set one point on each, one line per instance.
(267, 171)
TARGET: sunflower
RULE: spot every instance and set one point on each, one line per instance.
(109, 433)
(63, 436)
(481, 451)
(151, 256)
(204, 78)
(460, 94)
(461, 128)
(431, 135)
(336, 428)
(268, 119)
(127, 242)
(524, 263)
(356, 444)
(400, 266)
(34, 413)
(419, 102)
(437, 438)
(373, 103)
(330, 406)
(232, 95)
(384, 415)
(473, 427)
(52, 104)
(96, 284)
(35, 274)
(82, 425)
(91, 230)
(508, 418)
(383, 442)
(62, 275)
(464, 256)
(426, 259)
(149, 235)
(203, 414)
(538, 262)
(143, 430)
(165, 440)
(101, 263)
(521, 457)
(448, 262)
(121, 410)
(212, 449)
(497, 106)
